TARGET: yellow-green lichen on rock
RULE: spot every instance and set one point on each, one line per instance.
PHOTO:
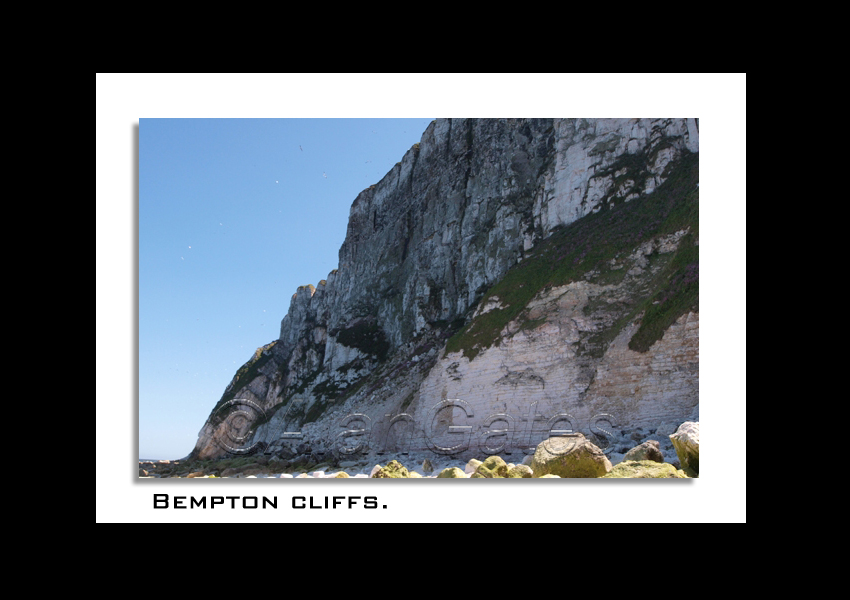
(645, 469)
(572, 456)
(393, 470)
(520, 471)
(451, 473)
(341, 475)
(492, 467)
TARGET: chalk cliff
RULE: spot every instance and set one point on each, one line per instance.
(523, 267)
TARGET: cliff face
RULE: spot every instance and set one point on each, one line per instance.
(516, 265)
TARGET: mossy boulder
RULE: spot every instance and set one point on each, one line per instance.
(341, 475)
(645, 469)
(451, 473)
(393, 470)
(472, 466)
(520, 471)
(571, 456)
(492, 467)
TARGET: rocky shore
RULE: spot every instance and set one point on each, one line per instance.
(635, 454)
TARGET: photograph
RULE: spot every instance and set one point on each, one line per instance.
(320, 298)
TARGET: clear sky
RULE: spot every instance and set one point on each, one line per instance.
(234, 215)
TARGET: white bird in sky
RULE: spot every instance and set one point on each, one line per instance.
(325, 175)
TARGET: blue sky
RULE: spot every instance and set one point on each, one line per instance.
(234, 215)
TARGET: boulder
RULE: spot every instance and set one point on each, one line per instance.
(520, 471)
(451, 473)
(492, 467)
(393, 470)
(427, 467)
(686, 443)
(471, 466)
(549, 477)
(649, 450)
(645, 469)
(569, 456)
(341, 475)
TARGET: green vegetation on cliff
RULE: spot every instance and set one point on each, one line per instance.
(589, 244)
